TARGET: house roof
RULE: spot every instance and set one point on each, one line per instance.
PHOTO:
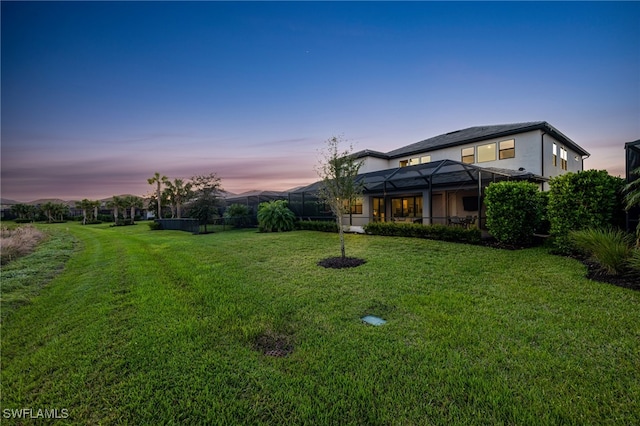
(474, 134)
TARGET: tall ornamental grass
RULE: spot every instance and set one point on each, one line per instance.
(610, 248)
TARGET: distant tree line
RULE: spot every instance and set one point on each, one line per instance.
(197, 197)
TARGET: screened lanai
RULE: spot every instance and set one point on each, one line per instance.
(445, 192)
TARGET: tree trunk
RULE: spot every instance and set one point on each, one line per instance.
(341, 232)
(159, 202)
(133, 213)
(84, 216)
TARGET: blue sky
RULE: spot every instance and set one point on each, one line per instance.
(97, 96)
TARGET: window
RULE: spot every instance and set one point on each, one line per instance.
(354, 207)
(563, 158)
(486, 152)
(415, 161)
(406, 207)
(468, 155)
(555, 155)
(507, 149)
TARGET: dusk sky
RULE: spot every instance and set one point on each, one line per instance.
(97, 96)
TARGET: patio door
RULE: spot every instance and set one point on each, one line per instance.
(378, 209)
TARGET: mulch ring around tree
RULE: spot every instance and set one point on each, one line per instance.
(341, 262)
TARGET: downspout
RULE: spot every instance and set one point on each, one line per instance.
(542, 156)
(431, 201)
(479, 199)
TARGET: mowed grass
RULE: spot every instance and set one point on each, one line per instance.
(159, 327)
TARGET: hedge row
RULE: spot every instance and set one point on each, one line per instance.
(317, 225)
(433, 232)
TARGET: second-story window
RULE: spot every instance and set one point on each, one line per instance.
(555, 155)
(415, 161)
(468, 155)
(563, 158)
(486, 152)
(507, 149)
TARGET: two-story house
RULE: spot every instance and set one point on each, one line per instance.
(444, 177)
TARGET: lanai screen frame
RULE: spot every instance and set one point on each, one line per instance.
(426, 177)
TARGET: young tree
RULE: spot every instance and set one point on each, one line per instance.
(206, 192)
(158, 180)
(338, 170)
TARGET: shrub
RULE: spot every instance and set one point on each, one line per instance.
(543, 226)
(588, 199)
(513, 211)
(105, 218)
(124, 222)
(275, 216)
(433, 232)
(154, 226)
(317, 225)
(609, 248)
(238, 216)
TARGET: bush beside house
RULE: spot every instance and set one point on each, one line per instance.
(415, 230)
(514, 211)
(587, 199)
(275, 216)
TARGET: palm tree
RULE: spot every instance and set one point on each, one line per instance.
(158, 180)
(178, 192)
(23, 211)
(95, 205)
(116, 203)
(133, 202)
(48, 210)
(84, 205)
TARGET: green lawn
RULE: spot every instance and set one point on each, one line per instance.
(150, 327)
